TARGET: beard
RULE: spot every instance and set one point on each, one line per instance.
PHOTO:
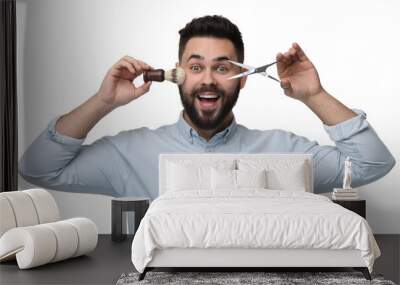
(210, 120)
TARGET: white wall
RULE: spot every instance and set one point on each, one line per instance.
(66, 47)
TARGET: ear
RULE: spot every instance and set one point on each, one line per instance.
(243, 81)
(177, 64)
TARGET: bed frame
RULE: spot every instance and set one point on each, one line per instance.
(235, 259)
(249, 259)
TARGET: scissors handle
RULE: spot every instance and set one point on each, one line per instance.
(273, 78)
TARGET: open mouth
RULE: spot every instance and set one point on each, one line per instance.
(208, 100)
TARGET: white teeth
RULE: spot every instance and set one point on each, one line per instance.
(208, 96)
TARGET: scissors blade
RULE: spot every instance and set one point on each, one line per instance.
(242, 74)
(241, 65)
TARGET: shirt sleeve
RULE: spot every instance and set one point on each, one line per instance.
(354, 138)
(60, 162)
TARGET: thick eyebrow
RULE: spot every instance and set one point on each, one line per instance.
(219, 58)
(195, 56)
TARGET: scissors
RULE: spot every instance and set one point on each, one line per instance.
(252, 70)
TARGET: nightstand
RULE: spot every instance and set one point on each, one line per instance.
(357, 206)
(139, 205)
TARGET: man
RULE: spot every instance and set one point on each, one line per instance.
(127, 164)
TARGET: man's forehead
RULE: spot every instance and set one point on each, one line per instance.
(209, 48)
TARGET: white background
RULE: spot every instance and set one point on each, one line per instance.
(66, 47)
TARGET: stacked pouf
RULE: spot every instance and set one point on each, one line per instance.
(32, 233)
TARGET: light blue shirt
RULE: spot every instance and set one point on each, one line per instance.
(127, 164)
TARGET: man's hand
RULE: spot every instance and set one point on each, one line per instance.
(299, 78)
(117, 88)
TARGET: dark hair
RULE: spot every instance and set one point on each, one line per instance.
(212, 26)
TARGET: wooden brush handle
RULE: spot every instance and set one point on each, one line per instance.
(153, 75)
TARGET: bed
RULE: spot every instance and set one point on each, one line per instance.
(247, 211)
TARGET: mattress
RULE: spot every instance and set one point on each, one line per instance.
(250, 219)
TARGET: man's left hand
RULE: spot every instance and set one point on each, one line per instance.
(299, 78)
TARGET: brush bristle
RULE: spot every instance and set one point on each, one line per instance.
(176, 75)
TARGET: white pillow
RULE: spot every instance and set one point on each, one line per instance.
(237, 179)
(251, 178)
(281, 175)
(223, 179)
(189, 176)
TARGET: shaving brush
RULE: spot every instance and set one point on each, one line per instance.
(175, 75)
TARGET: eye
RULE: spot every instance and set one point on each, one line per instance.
(222, 69)
(195, 68)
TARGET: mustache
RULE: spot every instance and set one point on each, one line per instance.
(209, 88)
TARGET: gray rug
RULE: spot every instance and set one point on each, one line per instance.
(243, 278)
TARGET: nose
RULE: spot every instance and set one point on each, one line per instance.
(208, 77)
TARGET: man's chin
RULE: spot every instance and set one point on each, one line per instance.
(206, 119)
(208, 115)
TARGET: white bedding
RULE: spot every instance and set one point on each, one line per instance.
(250, 218)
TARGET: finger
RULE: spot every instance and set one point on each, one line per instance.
(285, 84)
(144, 65)
(279, 57)
(135, 63)
(130, 59)
(280, 63)
(142, 89)
(282, 58)
(301, 54)
(288, 58)
(137, 66)
(293, 54)
(125, 65)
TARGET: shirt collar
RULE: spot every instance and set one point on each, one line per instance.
(189, 133)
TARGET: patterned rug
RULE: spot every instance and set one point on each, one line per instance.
(243, 278)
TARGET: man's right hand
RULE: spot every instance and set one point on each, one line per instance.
(117, 88)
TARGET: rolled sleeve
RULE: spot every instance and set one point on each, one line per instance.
(348, 128)
(60, 138)
(354, 138)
